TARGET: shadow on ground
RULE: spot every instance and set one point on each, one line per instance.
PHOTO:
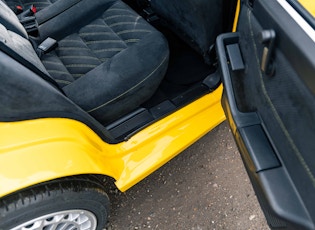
(205, 187)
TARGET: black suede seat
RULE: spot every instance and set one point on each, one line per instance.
(198, 22)
(108, 61)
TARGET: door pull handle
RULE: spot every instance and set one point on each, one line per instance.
(267, 38)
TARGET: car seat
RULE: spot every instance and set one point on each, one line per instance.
(197, 22)
(108, 60)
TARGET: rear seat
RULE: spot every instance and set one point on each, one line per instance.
(196, 22)
(108, 60)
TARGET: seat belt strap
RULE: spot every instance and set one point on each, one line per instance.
(6, 49)
(28, 20)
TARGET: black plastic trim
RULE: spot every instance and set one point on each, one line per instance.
(131, 122)
(298, 49)
(303, 12)
(235, 57)
(259, 148)
(277, 195)
(237, 118)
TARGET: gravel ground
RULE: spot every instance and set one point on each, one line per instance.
(205, 187)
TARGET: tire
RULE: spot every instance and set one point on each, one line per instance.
(69, 203)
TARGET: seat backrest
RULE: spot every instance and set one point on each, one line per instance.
(14, 41)
(10, 20)
(13, 4)
(198, 22)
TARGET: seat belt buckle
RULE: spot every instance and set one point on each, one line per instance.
(29, 11)
(28, 20)
(33, 9)
(46, 46)
(18, 9)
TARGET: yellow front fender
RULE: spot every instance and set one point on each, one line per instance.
(39, 150)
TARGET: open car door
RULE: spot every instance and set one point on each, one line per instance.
(268, 71)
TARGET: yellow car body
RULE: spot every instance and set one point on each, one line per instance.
(35, 151)
(38, 150)
(309, 5)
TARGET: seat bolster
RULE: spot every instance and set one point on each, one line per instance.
(127, 79)
(69, 21)
(21, 46)
(53, 10)
(10, 20)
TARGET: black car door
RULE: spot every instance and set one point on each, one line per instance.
(268, 72)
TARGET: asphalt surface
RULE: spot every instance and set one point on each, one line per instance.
(205, 187)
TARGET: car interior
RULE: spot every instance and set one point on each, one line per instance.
(114, 65)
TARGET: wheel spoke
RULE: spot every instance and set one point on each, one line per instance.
(64, 220)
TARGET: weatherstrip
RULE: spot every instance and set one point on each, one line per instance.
(298, 18)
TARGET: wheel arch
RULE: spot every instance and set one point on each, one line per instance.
(73, 194)
(35, 151)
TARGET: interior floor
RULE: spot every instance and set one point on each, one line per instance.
(186, 67)
(183, 83)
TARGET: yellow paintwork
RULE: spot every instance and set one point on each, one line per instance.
(237, 12)
(43, 149)
(35, 151)
(309, 5)
(38, 150)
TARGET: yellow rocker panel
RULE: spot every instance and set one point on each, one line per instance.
(39, 150)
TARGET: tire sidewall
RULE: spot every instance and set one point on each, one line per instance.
(56, 201)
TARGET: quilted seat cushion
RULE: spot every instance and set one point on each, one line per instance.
(112, 64)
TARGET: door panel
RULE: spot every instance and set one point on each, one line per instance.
(268, 72)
